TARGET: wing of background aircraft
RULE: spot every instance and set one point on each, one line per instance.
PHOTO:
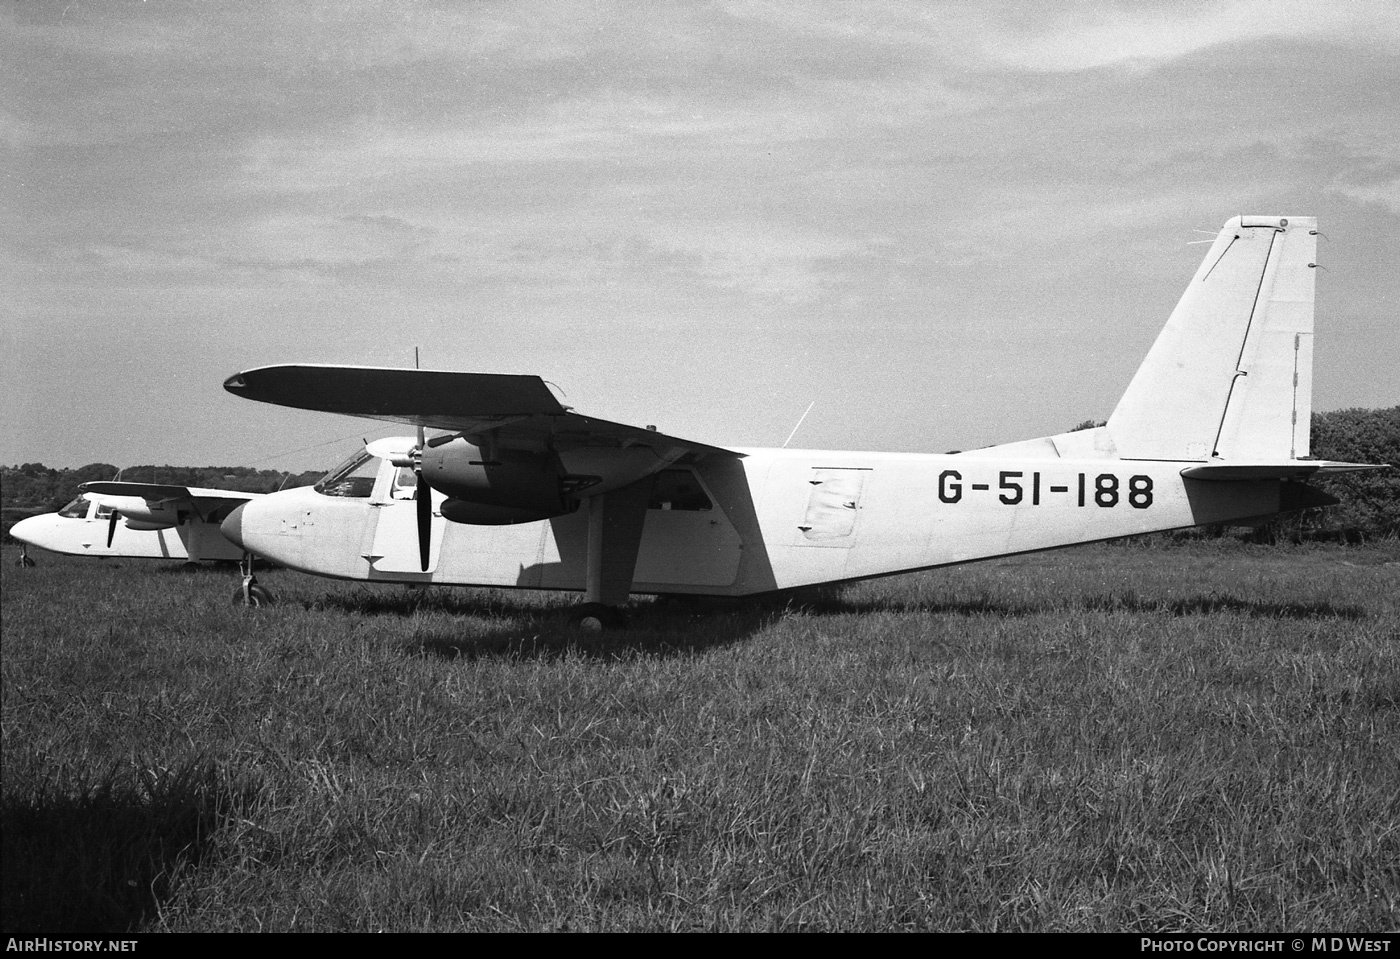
(166, 496)
(152, 506)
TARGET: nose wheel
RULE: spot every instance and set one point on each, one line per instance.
(251, 592)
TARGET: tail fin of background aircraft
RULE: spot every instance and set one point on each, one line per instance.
(1230, 376)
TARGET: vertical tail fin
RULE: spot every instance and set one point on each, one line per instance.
(1230, 376)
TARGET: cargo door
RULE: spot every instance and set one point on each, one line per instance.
(833, 508)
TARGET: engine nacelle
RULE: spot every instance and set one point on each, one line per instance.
(143, 524)
(487, 514)
(509, 487)
(139, 514)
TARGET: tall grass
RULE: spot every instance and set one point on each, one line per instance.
(1194, 737)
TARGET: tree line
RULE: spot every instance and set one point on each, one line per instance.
(1370, 501)
(33, 488)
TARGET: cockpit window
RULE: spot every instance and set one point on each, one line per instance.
(354, 477)
(75, 510)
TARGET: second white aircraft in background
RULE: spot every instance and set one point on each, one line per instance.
(137, 521)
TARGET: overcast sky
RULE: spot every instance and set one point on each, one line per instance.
(944, 225)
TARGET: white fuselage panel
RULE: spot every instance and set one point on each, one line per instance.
(777, 519)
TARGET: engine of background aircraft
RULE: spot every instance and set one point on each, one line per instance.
(141, 515)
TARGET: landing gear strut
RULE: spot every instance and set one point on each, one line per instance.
(250, 592)
(615, 522)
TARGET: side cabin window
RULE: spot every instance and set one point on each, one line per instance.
(354, 477)
(678, 490)
(104, 512)
(78, 509)
(405, 483)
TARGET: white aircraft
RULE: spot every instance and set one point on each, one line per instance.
(528, 493)
(160, 522)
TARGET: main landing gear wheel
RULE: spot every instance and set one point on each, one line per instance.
(255, 596)
(25, 562)
(596, 617)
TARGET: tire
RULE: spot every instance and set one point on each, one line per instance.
(258, 596)
(24, 562)
(595, 617)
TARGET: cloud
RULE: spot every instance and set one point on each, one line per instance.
(1094, 35)
(576, 188)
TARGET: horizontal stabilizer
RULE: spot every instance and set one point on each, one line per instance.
(1293, 469)
(1293, 497)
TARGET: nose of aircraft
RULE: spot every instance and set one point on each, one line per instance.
(26, 530)
(232, 526)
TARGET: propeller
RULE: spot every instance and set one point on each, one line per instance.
(112, 527)
(424, 499)
(422, 496)
(412, 458)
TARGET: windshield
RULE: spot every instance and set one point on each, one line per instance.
(354, 477)
(76, 509)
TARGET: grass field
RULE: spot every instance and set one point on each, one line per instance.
(1199, 737)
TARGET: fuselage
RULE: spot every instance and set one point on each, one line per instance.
(767, 519)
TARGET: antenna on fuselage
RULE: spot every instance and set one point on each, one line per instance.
(799, 424)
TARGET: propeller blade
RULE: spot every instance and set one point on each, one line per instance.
(425, 522)
(424, 499)
(112, 527)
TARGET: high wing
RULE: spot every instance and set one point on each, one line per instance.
(518, 411)
(162, 498)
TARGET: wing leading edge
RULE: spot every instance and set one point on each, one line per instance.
(520, 410)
